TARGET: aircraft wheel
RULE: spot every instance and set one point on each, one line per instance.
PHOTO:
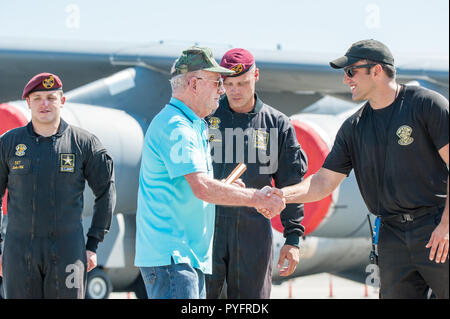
(98, 284)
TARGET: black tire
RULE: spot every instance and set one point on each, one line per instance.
(98, 284)
(139, 288)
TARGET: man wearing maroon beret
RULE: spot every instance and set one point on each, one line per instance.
(267, 144)
(44, 165)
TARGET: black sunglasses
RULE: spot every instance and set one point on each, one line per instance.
(349, 70)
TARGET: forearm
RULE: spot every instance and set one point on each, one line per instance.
(314, 187)
(299, 193)
(100, 176)
(291, 218)
(443, 153)
(213, 191)
(102, 216)
(311, 189)
(219, 193)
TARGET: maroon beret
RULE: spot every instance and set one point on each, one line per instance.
(238, 60)
(42, 82)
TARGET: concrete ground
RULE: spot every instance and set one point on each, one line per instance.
(319, 286)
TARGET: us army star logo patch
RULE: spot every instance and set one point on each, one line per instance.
(67, 163)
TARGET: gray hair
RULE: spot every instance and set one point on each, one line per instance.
(179, 82)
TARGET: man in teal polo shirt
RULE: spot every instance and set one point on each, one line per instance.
(177, 191)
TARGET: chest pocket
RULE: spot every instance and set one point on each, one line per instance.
(19, 166)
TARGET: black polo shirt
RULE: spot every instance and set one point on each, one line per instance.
(394, 152)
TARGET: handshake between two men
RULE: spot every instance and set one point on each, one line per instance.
(273, 202)
(232, 191)
(268, 201)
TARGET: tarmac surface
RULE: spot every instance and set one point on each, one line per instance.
(319, 286)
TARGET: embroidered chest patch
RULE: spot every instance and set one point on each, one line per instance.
(261, 139)
(67, 163)
(404, 133)
(18, 165)
(214, 123)
(20, 149)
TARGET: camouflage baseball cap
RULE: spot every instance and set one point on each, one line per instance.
(197, 58)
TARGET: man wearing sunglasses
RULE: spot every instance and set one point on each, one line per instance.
(263, 139)
(397, 143)
(177, 191)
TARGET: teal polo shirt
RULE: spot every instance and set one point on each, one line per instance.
(170, 221)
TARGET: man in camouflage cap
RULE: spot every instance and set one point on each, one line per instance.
(177, 191)
(195, 59)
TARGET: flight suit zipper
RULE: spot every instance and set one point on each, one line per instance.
(35, 170)
(52, 201)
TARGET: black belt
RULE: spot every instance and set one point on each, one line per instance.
(403, 218)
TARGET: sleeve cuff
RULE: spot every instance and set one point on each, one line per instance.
(92, 244)
(293, 240)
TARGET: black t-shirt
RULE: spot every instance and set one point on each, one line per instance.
(394, 152)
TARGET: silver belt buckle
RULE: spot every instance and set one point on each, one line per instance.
(407, 218)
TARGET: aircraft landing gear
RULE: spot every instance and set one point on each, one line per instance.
(98, 284)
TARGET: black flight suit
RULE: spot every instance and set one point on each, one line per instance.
(44, 253)
(242, 249)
